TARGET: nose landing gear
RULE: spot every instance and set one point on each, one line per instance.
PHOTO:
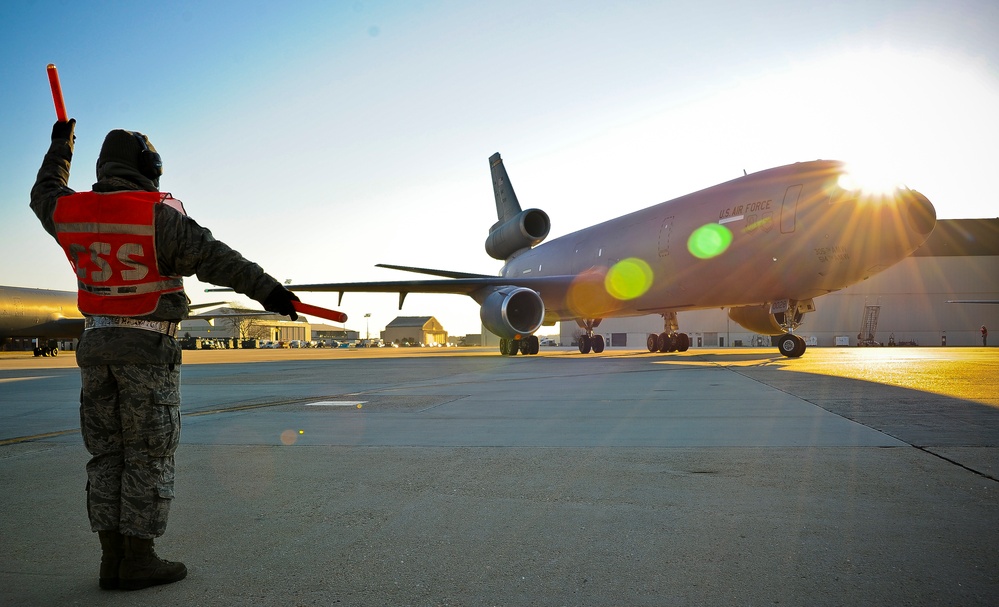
(791, 345)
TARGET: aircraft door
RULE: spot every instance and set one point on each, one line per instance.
(587, 255)
(665, 231)
(788, 209)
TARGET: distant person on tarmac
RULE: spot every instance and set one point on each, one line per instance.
(129, 246)
(985, 336)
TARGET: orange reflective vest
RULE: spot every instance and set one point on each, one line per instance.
(110, 240)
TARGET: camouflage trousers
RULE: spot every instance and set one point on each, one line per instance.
(130, 420)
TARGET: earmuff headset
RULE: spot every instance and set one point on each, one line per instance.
(150, 163)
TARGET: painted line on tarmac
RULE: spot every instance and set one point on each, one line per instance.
(35, 437)
(10, 379)
(27, 439)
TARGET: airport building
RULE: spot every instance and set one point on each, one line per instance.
(415, 330)
(229, 323)
(329, 333)
(907, 304)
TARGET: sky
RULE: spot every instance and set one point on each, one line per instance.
(321, 138)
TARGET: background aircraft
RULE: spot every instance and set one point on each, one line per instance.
(48, 315)
(40, 314)
(763, 245)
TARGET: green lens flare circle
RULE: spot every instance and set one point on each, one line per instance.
(709, 241)
(628, 278)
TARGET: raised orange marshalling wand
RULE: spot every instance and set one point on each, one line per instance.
(60, 103)
(60, 108)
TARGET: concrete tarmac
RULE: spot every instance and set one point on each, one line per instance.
(461, 477)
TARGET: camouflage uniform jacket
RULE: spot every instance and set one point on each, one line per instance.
(183, 248)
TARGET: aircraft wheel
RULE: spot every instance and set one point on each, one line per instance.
(663, 340)
(800, 349)
(682, 342)
(790, 346)
(652, 342)
(525, 346)
(38, 352)
(535, 344)
(670, 343)
(55, 351)
(584, 344)
(598, 344)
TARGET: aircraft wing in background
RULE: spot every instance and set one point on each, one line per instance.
(478, 287)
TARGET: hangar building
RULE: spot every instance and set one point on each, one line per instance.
(267, 326)
(415, 330)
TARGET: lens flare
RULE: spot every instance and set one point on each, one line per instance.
(709, 241)
(871, 179)
(628, 278)
(588, 297)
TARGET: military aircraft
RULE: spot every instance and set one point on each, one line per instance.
(764, 246)
(41, 314)
(48, 315)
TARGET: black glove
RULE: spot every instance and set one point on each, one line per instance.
(64, 130)
(280, 300)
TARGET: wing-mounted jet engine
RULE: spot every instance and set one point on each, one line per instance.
(513, 314)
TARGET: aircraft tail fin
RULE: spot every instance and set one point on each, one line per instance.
(515, 229)
(507, 205)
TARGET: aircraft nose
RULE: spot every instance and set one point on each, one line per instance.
(919, 212)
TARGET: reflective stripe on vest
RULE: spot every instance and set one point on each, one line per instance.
(110, 240)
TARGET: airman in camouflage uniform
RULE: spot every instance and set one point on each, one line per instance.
(130, 397)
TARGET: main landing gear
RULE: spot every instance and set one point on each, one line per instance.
(588, 341)
(528, 345)
(670, 340)
(48, 349)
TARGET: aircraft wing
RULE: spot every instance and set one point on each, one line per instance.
(432, 272)
(233, 313)
(207, 305)
(473, 285)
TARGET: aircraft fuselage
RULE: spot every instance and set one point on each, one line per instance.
(39, 313)
(794, 234)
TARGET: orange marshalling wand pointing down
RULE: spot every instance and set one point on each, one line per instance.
(320, 312)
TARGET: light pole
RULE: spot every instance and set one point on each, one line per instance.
(367, 330)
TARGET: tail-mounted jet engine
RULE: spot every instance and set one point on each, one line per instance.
(512, 313)
(523, 231)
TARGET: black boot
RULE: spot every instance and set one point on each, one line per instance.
(141, 568)
(112, 552)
